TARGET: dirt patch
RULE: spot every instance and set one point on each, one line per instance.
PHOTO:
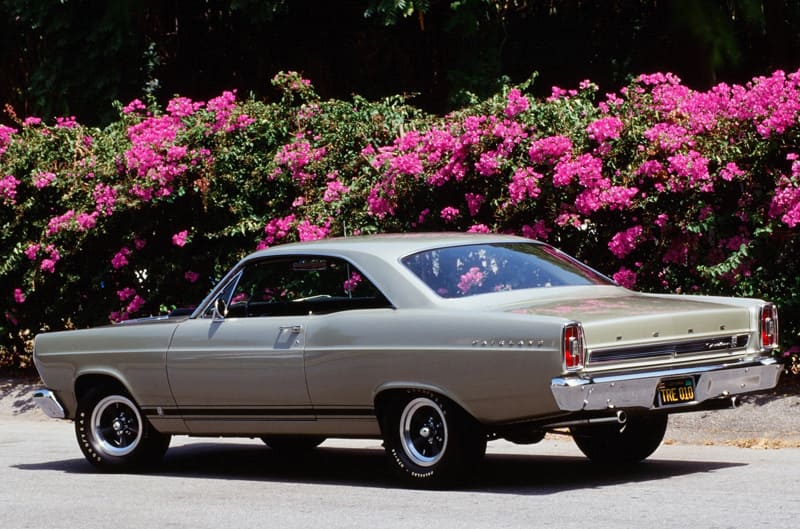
(16, 398)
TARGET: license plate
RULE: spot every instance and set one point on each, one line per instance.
(675, 391)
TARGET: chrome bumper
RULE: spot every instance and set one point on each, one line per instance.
(639, 390)
(48, 403)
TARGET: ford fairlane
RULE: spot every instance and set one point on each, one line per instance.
(434, 343)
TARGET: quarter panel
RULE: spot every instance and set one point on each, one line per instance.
(496, 366)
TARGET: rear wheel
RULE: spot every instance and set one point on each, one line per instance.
(431, 442)
(632, 442)
(112, 433)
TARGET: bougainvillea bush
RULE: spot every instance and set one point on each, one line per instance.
(659, 186)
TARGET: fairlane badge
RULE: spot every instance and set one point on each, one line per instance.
(494, 342)
(732, 343)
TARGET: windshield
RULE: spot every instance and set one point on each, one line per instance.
(461, 271)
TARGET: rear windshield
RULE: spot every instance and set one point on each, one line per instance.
(461, 271)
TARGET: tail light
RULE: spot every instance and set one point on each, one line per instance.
(768, 327)
(574, 347)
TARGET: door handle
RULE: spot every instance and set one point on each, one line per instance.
(294, 329)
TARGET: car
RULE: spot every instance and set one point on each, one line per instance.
(434, 343)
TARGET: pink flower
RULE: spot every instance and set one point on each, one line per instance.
(668, 136)
(311, 232)
(730, 171)
(182, 107)
(587, 168)
(351, 284)
(19, 297)
(5, 137)
(297, 156)
(334, 190)
(86, 221)
(449, 214)
(180, 238)
(48, 265)
(126, 293)
(605, 129)
(59, 223)
(625, 241)
(379, 204)
(43, 179)
(422, 214)
(223, 107)
(32, 251)
(479, 228)
(517, 103)
(625, 277)
(524, 184)
(121, 258)
(66, 122)
(133, 106)
(8, 189)
(191, 277)
(474, 201)
(538, 231)
(549, 150)
(276, 230)
(135, 305)
(474, 277)
(105, 197)
(650, 168)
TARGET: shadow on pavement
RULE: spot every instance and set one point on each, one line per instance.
(500, 473)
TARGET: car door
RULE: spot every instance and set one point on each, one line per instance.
(242, 371)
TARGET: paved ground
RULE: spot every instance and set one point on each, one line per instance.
(768, 421)
(213, 483)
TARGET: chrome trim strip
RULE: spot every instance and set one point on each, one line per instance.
(49, 404)
(638, 390)
(716, 344)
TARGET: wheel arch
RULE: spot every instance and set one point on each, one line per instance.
(391, 391)
(85, 382)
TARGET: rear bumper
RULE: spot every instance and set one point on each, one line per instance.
(639, 390)
(49, 404)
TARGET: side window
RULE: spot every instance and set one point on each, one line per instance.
(299, 285)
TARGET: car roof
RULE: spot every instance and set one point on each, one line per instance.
(390, 245)
(378, 257)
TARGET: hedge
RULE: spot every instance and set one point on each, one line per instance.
(659, 186)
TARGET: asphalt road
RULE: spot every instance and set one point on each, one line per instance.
(45, 483)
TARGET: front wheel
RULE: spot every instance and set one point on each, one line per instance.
(431, 441)
(632, 442)
(112, 433)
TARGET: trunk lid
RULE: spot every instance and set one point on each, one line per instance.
(642, 327)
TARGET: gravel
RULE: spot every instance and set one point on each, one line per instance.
(764, 421)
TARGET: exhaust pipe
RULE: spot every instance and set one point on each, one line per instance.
(620, 418)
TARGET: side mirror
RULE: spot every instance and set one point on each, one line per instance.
(220, 309)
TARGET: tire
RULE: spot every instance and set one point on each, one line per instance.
(112, 433)
(630, 443)
(431, 442)
(293, 443)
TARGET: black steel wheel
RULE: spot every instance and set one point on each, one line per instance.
(431, 441)
(630, 443)
(112, 433)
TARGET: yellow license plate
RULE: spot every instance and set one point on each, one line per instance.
(675, 391)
